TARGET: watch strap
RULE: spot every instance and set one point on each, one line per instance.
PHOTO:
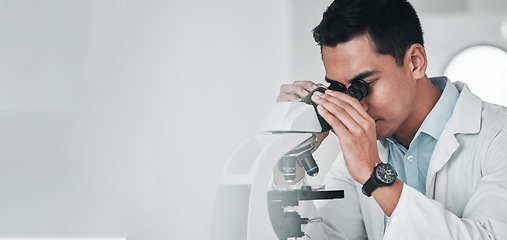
(370, 186)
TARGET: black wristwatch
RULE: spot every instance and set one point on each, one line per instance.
(383, 175)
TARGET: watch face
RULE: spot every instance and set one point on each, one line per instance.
(385, 173)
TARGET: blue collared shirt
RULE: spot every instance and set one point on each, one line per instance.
(412, 164)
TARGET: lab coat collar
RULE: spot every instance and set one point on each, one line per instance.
(466, 118)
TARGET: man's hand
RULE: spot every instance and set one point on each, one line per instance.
(296, 91)
(356, 131)
(354, 128)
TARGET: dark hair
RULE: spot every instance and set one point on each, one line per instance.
(393, 25)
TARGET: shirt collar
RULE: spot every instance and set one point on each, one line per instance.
(436, 120)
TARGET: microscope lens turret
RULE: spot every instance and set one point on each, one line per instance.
(302, 156)
(287, 166)
(309, 164)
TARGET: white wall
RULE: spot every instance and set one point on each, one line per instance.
(118, 116)
(449, 33)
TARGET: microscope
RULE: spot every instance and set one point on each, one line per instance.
(247, 204)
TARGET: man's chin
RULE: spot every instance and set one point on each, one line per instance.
(382, 133)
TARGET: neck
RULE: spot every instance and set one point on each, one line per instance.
(427, 96)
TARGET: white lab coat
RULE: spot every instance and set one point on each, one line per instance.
(466, 196)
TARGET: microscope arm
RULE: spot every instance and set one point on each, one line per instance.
(241, 209)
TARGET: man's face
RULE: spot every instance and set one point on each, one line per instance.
(391, 88)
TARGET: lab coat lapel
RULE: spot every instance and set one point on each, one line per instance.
(446, 146)
(466, 119)
(383, 152)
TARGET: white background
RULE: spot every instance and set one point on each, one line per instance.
(116, 117)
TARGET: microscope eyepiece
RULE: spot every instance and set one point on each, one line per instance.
(337, 86)
(358, 89)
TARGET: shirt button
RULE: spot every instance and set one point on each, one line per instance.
(410, 158)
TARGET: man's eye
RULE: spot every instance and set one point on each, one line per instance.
(371, 82)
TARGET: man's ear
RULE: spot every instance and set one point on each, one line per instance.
(415, 58)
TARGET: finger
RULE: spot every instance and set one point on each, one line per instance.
(320, 85)
(288, 89)
(307, 85)
(344, 117)
(352, 101)
(347, 114)
(288, 98)
(338, 127)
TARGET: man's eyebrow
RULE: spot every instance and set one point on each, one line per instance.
(361, 75)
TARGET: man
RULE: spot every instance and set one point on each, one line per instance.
(449, 148)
